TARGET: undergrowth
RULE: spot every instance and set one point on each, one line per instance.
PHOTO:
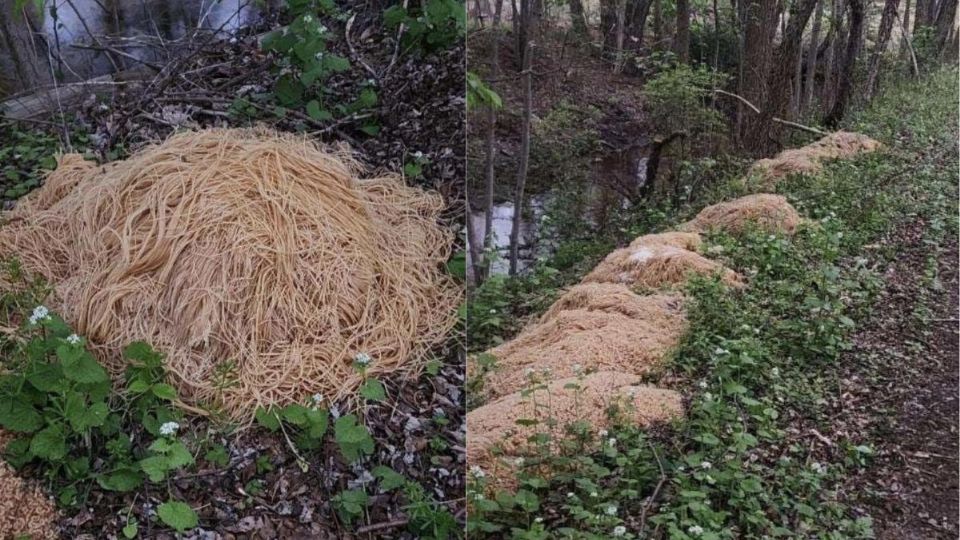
(757, 364)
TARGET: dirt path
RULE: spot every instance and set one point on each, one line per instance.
(900, 391)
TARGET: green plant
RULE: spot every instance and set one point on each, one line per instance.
(678, 101)
(177, 515)
(430, 25)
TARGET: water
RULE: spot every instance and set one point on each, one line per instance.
(70, 22)
(533, 244)
(530, 228)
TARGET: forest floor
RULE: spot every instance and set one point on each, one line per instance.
(418, 118)
(836, 413)
(910, 399)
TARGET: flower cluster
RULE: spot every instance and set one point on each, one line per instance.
(168, 429)
(40, 313)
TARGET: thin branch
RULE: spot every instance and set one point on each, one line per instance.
(780, 121)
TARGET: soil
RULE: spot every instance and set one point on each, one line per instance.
(900, 386)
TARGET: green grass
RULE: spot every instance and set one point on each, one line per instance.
(759, 364)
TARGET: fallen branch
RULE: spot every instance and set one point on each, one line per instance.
(781, 121)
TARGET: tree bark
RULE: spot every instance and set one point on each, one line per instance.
(577, 17)
(812, 58)
(883, 36)
(657, 23)
(946, 27)
(16, 35)
(524, 158)
(490, 165)
(782, 71)
(681, 40)
(845, 79)
(760, 24)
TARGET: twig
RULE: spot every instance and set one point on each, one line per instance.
(396, 47)
(756, 109)
(354, 53)
(821, 437)
(381, 526)
(656, 490)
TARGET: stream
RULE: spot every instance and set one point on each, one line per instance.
(68, 25)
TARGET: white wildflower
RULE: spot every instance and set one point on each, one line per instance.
(603, 433)
(611, 441)
(417, 155)
(307, 19)
(611, 510)
(695, 530)
(478, 496)
(570, 495)
(706, 465)
(169, 428)
(818, 468)
(362, 359)
(708, 396)
(619, 530)
(317, 399)
(518, 462)
(477, 472)
(593, 493)
(702, 384)
(73, 339)
(539, 520)
(40, 313)
(721, 351)
(492, 311)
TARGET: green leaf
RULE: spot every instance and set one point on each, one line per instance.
(352, 438)
(389, 478)
(122, 479)
(289, 91)
(457, 265)
(267, 418)
(49, 443)
(155, 467)
(46, 377)
(371, 129)
(138, 386)
(177, 515)
(218, 456)
(295, 414)
(17, 415)
(164, 391)
(87, 370)
(130, 530)
(316, 112)
(335, 63)
(317, 423)
(373, 390)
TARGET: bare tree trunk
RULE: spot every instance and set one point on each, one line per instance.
(759, 26)
(920, 16)
(883, 36)
(945, 27)
(681, 40)
(16, 35)
(845, 80)
(657, 22)
(621, 15)
(577, 17)
(524, 158)
(906, 37)
(812, 58)
(491, 162)
(778, 91)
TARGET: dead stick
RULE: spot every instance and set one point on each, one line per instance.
(787, 123)
(381, 526)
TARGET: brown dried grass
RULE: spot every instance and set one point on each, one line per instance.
(768, 212)
(24, 510)
(582, 341)
(681, 240)
(810, 158)
(496, 439)
(655, 267)
(248, 246)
